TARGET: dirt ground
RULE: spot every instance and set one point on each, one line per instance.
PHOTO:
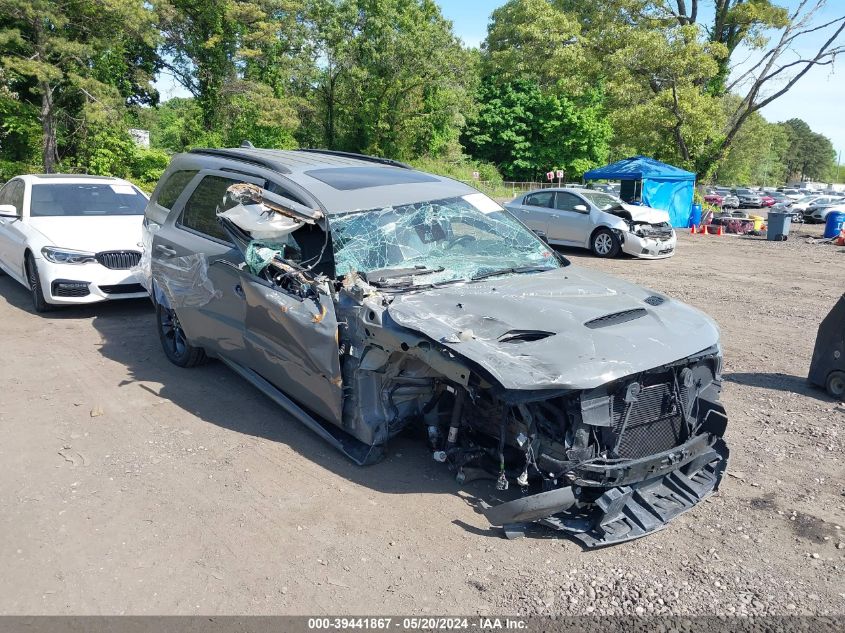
(131, 486)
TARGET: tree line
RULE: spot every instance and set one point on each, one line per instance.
(556, 84)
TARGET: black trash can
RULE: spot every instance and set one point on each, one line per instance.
(827, 369)
(778, 226)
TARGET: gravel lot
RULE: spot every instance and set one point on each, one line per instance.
(130, 486)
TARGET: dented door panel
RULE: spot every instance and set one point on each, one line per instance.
(292, 343)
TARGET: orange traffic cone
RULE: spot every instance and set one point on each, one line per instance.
(692, 230)
(721, 232)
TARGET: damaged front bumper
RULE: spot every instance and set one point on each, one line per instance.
(649, 247)
(610, 503)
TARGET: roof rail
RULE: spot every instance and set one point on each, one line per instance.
(364, 157)
(253, 159)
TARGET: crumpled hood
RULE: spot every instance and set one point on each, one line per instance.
(558, 302)
(640, 213)
(92, 234)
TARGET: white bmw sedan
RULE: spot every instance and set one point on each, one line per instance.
(71, 239)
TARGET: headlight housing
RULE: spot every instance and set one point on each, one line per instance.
(67, 255)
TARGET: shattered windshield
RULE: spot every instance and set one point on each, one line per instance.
(437, 241)
(601, 200)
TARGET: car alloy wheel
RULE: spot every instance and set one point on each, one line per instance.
(172, 334)
(174, 342)
(39, 303)
(605, 243)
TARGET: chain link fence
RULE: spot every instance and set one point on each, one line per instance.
(509, 188)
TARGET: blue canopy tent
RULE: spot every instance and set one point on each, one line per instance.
(652, 183)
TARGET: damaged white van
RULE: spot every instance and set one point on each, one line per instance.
(367, 298)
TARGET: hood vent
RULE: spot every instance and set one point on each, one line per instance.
(654, 300)
(616, 318)
(524, 336)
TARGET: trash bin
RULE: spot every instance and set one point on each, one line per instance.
(778, 228)
(834, 224)
(694, 216)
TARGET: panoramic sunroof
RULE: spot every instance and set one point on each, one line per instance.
(349, 178)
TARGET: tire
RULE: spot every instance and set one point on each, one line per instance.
(173, 341)
(39, 303)
(604, 243)
(835, 384)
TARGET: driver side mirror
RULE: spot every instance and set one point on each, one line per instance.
(8, 211)
(581, 208)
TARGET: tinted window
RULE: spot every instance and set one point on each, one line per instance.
(12, 194)
(4, 193)
(567, 201)
(174, 185)
(542, 199)
(65, 199)
(16, 195)
(200, 212)
(276, 188)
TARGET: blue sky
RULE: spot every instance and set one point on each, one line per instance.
(818, 98)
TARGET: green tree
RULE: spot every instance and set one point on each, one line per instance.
(757, 155)
(527, 131)
(78, 62)
(530, 39)
(657, 105)
(396, 80)
(810, 155)
(664, 47)
(227, 53)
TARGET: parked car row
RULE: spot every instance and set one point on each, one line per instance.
(721, 198)
(811, 209)
(365, 298)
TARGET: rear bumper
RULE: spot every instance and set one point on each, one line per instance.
(613, 503)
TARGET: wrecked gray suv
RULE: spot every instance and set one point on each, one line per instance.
(367, 298)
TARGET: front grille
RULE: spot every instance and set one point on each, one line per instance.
(68, 288)
(119, 260)
(122, 289)
(656, 423)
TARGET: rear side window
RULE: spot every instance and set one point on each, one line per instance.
(200, 212)
(567, 201)
(544, 199)
(174, 186)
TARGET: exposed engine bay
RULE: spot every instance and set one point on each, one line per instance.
(604, 465)
(641, 227)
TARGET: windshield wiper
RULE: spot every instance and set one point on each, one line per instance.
(510, 271)
(382, 275)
